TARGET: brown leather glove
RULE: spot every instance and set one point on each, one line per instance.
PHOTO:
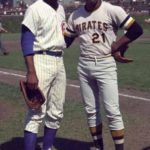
(33, 98)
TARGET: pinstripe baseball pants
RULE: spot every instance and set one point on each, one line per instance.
(52, 81)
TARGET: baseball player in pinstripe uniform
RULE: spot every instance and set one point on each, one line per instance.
(96, 25)
(42, 44)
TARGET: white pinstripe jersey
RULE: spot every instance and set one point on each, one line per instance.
(46, 24)
(97, 30)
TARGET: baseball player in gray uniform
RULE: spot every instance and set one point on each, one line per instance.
(42, 44)
(96, 25)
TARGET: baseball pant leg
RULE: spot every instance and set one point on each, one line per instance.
(89, 91)
(109, 94)
(90, 94)
(46, 69)
(56, 96)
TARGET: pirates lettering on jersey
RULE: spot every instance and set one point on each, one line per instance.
(91, 25)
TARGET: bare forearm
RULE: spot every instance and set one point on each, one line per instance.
(120, 42)
(30, 64)
(32, 80)
(132, 34)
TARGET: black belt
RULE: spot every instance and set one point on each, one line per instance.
(51, 53)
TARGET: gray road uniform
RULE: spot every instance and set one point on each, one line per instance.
(96, 67)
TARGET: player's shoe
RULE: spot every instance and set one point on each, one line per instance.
(98, 148)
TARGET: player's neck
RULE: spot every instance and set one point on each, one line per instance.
(90, 8)
(52, 3)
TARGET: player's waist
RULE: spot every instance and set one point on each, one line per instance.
(95, 58)
(48, 52)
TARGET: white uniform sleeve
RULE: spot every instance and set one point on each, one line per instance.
(120, 17)
(30, 20)
(62, 13)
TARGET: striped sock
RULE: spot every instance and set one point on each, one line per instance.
(98, 142)
(118, 137)
(96, 133)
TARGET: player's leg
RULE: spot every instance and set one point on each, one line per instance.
(109, 92)
(89, 91)
(96, 133)
(33, 120)
(3, 49)
(54, 113)
(29, 140)
(35, 117)
(49, 136)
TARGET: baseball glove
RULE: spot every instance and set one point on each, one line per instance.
(119, 55)
(33, 98)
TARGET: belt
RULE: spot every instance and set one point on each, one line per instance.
(51, 53)
(95, 58)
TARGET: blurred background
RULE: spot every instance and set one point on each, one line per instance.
(18, 7)
(12, 11)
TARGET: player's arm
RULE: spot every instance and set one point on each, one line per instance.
(134, 30)
(123, 20)
(69, 32)
(27, 40)
(69, 37)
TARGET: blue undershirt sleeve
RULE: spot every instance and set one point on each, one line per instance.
(27, 40)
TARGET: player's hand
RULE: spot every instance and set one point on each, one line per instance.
(119, 55)
(32, 81)
(114, 47)
(119, 58)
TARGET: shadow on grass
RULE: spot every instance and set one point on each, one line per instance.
(60, 144)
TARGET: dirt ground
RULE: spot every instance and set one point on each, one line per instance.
(136, 112)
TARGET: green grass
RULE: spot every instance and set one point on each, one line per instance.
(140, 20)
(136, 74)
(71, 61)
(13, 61)
(10, 96)
(11, 36)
